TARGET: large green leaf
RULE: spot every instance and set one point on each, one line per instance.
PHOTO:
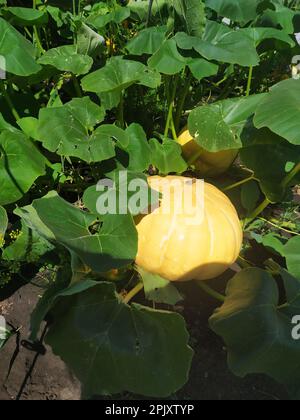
(127, 192)
(201, 68)
(260, 34)
(279, 111)
(112, 245)
(119, 74)
(17, 153)
(18, 52)
(218, 126)
(66, 58)
(167, 59)
(25, 16)
(193, 14)
(279, 16)
(99, 21)
(257, 334)
(221, 43)
(5, 125)
(59, 284)
(148, 41)
(138, 149)
(89, 42)
(69, 131)
(238, 11)
(120, 347)
(271, 162)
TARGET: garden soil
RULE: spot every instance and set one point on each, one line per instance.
(34, 373)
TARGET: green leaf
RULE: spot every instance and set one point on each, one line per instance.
(271, 241)
(5, 125)
(19, 60)
(238, 11)
(124, 347)
(291, 252)
(28, 247)
(271, 159)
(222, 44)
(260, 34)
(167, 59)
(119, 196)
(201, 68)
(148, 41)
(17, 153)
(29, 126)
(166, 156)
(250, 195)
(68, 131)
(66, 58)
(257, 334)
(89, 42)
(138, 149)
(159, 290)
(110, 100)
(59, 285)
(193, 14)
(24, 16)
(218, 126)
(281, 16)
(112, 245)
(119, 74)
(100, 21)
(279, 111)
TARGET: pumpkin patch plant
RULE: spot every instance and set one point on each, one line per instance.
(197, 92)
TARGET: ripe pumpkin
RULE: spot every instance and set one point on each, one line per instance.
(208, 164)
(179, 251)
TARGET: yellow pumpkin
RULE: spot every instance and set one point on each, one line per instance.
(177, 250)
(207, 163)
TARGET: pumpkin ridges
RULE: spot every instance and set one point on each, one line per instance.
(204, 251)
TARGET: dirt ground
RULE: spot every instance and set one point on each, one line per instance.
(28, 373)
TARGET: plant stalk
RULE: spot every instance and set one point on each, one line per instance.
(9, 102)
(249, 81)
(238, 184)
(77, 86)
(182, 100)
(133, 293)
(120, 112)
(171, 107)
(290, 176)
(257, 211)
(211, 292)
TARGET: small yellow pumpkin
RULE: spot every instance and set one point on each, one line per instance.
(207, 163)
(177, 250)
